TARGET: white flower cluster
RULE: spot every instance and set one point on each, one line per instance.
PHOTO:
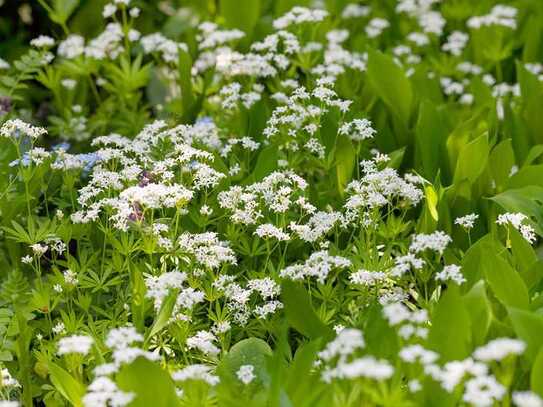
(358, 129)
(517, 220)
(498, 349)
(196, 372)
(411, 323)
(80, 344)
(480, 388)
(451, 272)
(203, 341)
(431, 21)
(276, 193)
(367, 278)
(299, 15)
(17, 128)
(377, 189)
(242, 304)
(103, 392)
(467, 221)
(7, 379)
(436, 241)
(206, 249)
(500, 15)
(143, 183)
(159, 287)
(317, 226)
(341, 362)
(319, 265)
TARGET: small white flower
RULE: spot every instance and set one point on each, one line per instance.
(498, 349)
(451, 272)
(527, 399)
(59, 328)
(27, 259)
(467, 221)
(75, 344)
(246, 374)
(109, 10)
(43, 41)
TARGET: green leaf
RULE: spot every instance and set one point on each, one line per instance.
(64, 9)
(524, 255)
(163, 315)
(242, 14)
(300, 313)
(501, 161)
(534, 153)
(391, 84)
(64, 382)
(345, 162)
(152, 385)
(528, 327)
(266, 162)
(185, 83)
(302, 364)
(536, 376)
(431, 136)
(431, 201)
(530, 175)
(381, 339)
(480, 312)
(504, 281)
(472, 160)
(250, 351)
(450, 334)
(472, 260)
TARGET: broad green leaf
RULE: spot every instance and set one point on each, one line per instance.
(301, 366)
(282, 6)
(300, 313)
(524, 255)
(430, 135)
(502, 159)
(505, 282)
(66, 384)
(529, 175)
(185, 83)
(480, 312)
(533, 38)
(381, 339)
(396, 158)
(528, 327)
(472, 260)
(345, 162)
(532, 98)
(266, 162)
(242, 14)
(472, 160)
(391, 84)
(152, 385)
(534, 153)
(536, 376)
(450, 334)
(250, 351)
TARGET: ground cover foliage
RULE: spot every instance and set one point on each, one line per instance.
(271, 203)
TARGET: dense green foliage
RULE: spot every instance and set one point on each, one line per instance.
(271, 203)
